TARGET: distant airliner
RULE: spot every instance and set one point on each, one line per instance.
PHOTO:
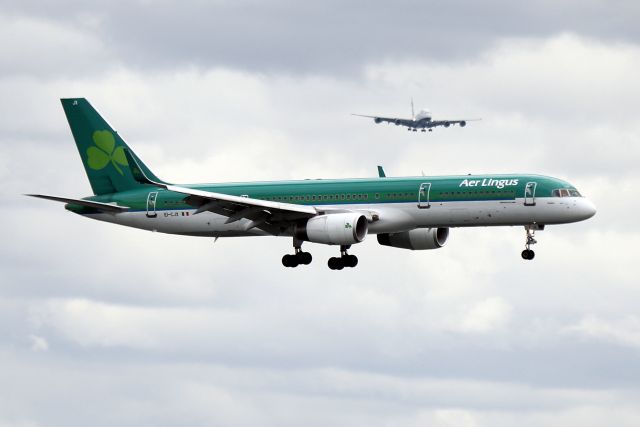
(423, 120)
(410, 213)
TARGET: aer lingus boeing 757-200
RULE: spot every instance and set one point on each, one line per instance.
(409, 213)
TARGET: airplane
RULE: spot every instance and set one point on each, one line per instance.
(414, 213)
(423, 121)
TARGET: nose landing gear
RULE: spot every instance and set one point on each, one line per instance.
(345, 259)
(299, 257)
(530, 231)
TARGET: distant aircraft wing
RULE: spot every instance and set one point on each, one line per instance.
(263, 214)
(394, 120)
(104, 207)
(447, 123)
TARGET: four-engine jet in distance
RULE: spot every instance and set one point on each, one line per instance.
(410, 213)
(423, 120)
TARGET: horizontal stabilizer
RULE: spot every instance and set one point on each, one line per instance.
(105, 207)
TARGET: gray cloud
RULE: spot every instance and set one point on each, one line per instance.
(315, 38)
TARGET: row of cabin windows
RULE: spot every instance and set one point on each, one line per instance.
(313, 198)
(479, 193)
(334, 197)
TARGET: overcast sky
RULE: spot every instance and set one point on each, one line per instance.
(102, 325)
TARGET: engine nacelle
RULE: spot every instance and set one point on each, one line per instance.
(334, 229)
(418, 239)
(463, 124)
(397, 122)
(377, 120)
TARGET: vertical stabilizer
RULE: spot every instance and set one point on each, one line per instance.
(101, 149)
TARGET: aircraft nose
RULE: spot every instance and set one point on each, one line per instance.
(586, 209)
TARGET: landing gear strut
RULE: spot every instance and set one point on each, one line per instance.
(299, 257)
(345, 259)
(530, 231)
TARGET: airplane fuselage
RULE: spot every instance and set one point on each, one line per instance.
(392, 205)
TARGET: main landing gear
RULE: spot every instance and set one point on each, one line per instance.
(345, 259)
(299, 257)
(530, 231)
(304, 258)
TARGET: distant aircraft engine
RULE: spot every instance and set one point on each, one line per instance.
(334, 229)
(447, 124)
(397, 122)
(463, 124)
(377, 120)
(418, 239)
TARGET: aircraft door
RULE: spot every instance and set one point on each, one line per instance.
(530, 194)
(423, 195)
(151, 204)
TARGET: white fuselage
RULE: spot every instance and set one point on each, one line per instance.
(390, 217)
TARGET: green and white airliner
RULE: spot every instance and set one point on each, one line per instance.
(412, 213)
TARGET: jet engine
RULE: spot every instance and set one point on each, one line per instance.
(397, 122)
(418, 239)
(463, 124)
(377, 120)
(334, 229)
(446, 124)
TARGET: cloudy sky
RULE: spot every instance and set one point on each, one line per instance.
(104, 326)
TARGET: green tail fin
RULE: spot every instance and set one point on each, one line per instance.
(101, 149)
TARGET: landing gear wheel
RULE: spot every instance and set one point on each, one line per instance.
(304, 258)
(350, 260)
(345, 259)
(528, 254)
(290, 261)
(298, 258)
(335, 263)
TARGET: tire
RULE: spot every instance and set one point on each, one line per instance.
(350, 261)
(335, 263)
(290, 261)
(304, 258)
(525, 254)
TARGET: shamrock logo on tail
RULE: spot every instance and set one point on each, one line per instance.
(105, 152)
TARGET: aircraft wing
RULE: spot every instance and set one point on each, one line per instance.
(263, 214)
(447, 123)
(394, 120)
(105, 207)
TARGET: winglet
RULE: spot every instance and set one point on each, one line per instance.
(381, 173)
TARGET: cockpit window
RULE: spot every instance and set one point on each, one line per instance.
(566, 192)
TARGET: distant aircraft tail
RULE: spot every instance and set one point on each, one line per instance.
(101, 149)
